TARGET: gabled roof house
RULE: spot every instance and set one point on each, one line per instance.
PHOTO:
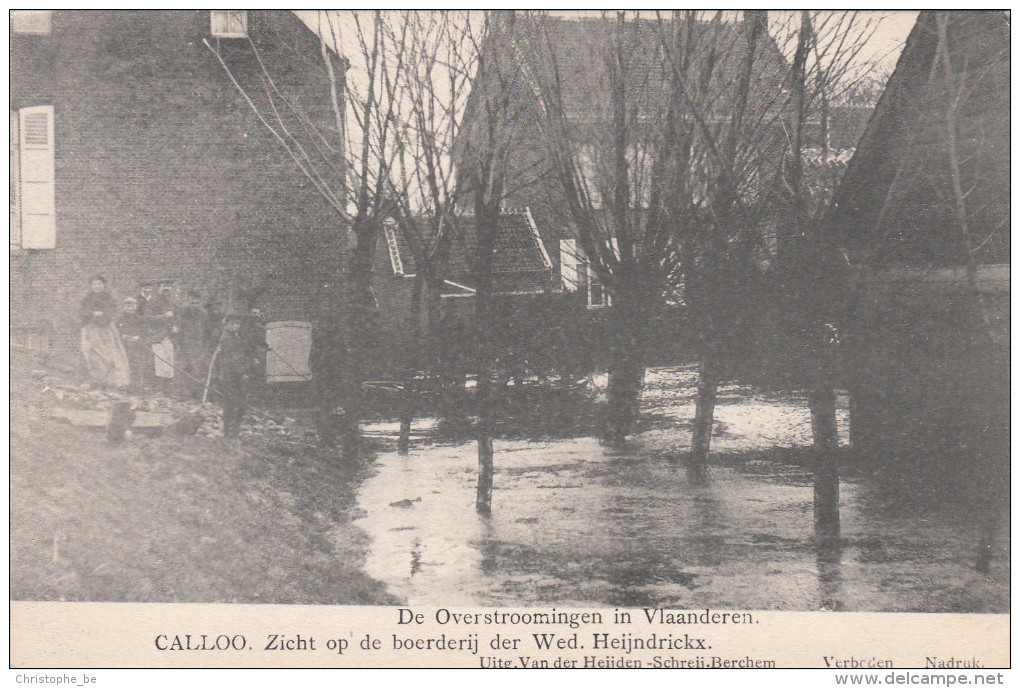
(571, 52)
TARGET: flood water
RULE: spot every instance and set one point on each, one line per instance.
(574, 523)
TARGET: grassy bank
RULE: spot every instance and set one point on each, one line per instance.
(170, 519)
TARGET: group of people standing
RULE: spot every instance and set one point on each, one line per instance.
(177, 347)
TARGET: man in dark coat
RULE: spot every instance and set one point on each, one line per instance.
(192, 346)
(161, 317)
(136, 335)
(146, 292)
(253, 331)
(235, 361)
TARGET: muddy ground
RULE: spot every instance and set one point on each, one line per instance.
(177, 519)
(276, 520)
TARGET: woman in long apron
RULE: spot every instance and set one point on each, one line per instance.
(101, 344)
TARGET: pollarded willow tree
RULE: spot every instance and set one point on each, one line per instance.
(830, 78)
(672, 137)
(495, 120)
(660, 148)
(598, 104)
(736, 123)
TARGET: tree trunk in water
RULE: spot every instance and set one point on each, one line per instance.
(327, 358)
(626, 375)
(406, 416)
(484, 423)
(414, 356)
(826, 494)
(483, 495)
(362, 321)
(487, 216)
(626, 370)
(822, 402)
(822, 396)
(704, 415)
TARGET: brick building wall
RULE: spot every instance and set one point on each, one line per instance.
(161, 168)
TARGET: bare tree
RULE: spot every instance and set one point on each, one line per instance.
(661, 151)
(492, 124)
(601, 137)
(433, 90)
(351, 168)
(827, 69)
(759, 126)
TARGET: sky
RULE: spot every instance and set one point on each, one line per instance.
(884, 45)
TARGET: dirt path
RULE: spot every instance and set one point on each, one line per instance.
(177, 519)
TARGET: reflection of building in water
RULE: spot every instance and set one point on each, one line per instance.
(830, 576)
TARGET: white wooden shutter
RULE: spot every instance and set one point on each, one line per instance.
(568, 264)
(38, 188)
(15, 181)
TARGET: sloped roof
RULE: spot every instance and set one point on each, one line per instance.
(520, 262)
(573, 50)
(896, 199)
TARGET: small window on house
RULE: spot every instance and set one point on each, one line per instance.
(290, 345)
(569, 264)
(37, 22)
(598, 296)
(229, 23)
(577, 274)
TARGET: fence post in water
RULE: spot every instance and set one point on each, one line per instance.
(406, 414)
(483, 497)
(822, 402)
